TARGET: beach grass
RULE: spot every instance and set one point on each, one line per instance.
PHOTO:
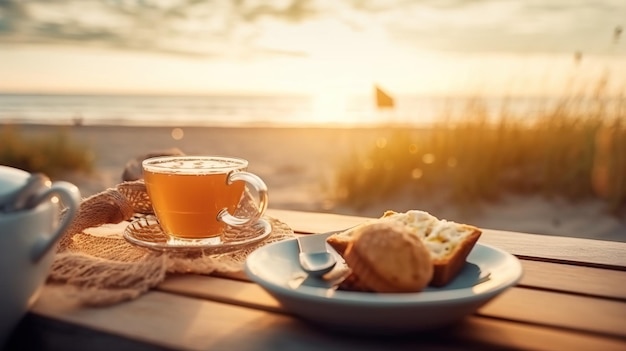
(53, 154)
(575, 150)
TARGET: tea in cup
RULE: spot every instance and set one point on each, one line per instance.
(28, 235)
(194, 197)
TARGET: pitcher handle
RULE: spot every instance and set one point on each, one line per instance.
(70, 196)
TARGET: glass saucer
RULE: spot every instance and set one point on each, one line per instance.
(147, 232)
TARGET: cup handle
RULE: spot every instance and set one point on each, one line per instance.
(259, 185)
(70, 196)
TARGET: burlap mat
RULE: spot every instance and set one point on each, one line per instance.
(105, 269)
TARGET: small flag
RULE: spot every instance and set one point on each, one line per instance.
(383, 100)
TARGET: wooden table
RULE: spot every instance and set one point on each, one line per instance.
(572, 297)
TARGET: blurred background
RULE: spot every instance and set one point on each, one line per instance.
(298, 62)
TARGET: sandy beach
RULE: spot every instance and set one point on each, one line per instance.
(297, 164)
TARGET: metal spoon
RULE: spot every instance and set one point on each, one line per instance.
(314, 257)
(23, 198)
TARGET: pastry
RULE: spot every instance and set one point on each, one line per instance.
(387, 257)
(448, 242)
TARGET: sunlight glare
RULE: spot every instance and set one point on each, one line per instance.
(329, 106)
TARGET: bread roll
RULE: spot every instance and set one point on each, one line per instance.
(386, 257)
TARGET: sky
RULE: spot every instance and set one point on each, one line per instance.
(427, 47)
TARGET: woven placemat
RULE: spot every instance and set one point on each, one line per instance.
(97, 266)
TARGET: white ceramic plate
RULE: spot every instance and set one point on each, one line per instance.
(487, 273)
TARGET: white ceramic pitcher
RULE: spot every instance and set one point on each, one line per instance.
(27, 241)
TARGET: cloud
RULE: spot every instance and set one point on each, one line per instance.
(203, 28)
(186, 27)
(519, 26)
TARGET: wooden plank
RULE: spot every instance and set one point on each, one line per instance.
(518, 336)
(44, 334)
(230, 291)
(574, 312)
(315, 222)
(184, 323)
(544, 247)
(581, 280)
(516, 304)
(36, 332)
(586, 281)
(588, 252)
(574, 279)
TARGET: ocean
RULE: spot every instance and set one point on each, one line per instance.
(242, 111)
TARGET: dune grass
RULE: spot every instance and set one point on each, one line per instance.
(52, 154)
(569, 151)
